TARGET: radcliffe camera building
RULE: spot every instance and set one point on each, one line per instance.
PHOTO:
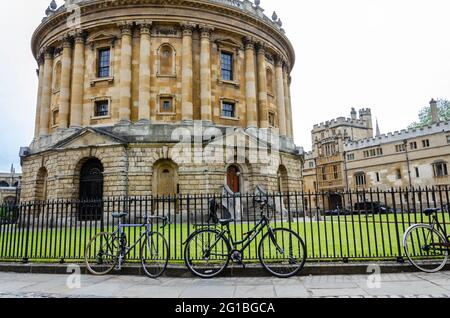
(347, 157)
(123, 82)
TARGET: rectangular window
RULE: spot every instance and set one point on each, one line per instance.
(379, 151)
(351, 157)
(400, 148)
(440, 169)
(448, 139)
(336, 172)
(55, 117)
(377, 176)
(166, 105)
(104, 59)
(426, 143)
(324, 174)
(360, 179)
(101, 108)
(311, 164)
(413, 145)
(229, 110)
(417, 172)
(271, 119)
(227, 66)
(398, 174)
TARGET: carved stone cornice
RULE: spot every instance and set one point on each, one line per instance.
(261, 48)
(249, 43)
(205, 31)
(145, 26)
(188, 28)
(126, 27)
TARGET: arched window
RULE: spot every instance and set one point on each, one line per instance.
(166, 65)
(269, 77)
(91, 189)
(41, 185)
(57, 77)
(4, 184)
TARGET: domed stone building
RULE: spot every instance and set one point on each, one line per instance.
(155, 97)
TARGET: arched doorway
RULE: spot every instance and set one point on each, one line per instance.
(234, 178)
(91, 189)
(283, 186)
(41, 185)
(165, 186)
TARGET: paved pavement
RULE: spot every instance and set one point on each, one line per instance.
(359, 286)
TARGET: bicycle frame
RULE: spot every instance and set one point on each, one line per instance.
(439, 246)
(249, 237)
(119, 232)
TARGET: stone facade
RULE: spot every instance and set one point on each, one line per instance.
(413, 158)
(9, 183)
(123, 84)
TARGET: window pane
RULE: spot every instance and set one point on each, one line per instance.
(227, 66)
(101, 108)
(228, 110)
(103, 62)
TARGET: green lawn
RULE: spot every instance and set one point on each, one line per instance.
(332, 238)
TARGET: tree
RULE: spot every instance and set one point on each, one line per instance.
(425, 114)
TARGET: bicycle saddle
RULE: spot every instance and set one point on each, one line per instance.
(119, 215)
(430, 212)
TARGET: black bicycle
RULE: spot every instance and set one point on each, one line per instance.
(427, 246)
(208, 251)
(108, 251)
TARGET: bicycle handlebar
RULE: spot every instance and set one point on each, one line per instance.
(165, 219)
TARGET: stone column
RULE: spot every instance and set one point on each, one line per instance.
(250, 83)
(46, 92)
(280, 95)
(144, 71)
(287, 100)
(205, 74)
(77, 91)
(262, 87)
(40, 73)
(125, 72)
(187, 108)
(64, 95)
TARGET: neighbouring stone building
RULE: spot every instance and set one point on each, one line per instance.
(411, 158)
(152, 97)
(9, 184)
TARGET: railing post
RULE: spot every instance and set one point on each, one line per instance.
(25, 257)
(400, 258)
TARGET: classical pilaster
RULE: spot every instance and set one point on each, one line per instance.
(287, 101)
(262, 87)
(144, 71)
(46, 92)
(187, 108)
(250, 83)
(291, 122)
(64, 95)
(77, 91)
(125, 72)
(280, 95)
(205, 73)
(40, 72)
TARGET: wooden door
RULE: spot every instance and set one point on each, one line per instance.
(233, 179)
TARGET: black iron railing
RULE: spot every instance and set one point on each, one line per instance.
(354, 225)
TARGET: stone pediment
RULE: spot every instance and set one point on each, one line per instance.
(241, 138)
(102, 36)
(89, 138)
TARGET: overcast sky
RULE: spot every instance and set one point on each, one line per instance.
(390, 55)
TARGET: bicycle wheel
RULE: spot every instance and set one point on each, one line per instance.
(155, 255)
(282, 253)
(207, 253)
(102, 253)
(425, 248)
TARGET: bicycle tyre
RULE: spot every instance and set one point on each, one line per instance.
(155, 246)
(281, 267)
(98, 267)
(193, 262)
(434, 263)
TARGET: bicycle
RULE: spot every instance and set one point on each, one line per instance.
(426, 245)
(209, 251)
(107, 251)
